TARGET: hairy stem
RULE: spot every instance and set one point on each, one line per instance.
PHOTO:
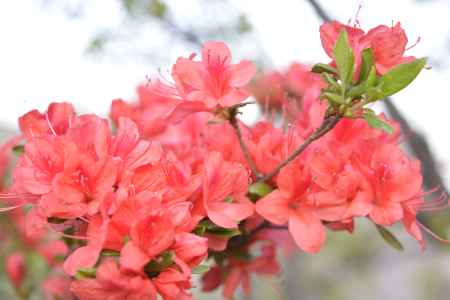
(327, 124)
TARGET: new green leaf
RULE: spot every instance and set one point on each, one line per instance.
(323, 68)
(390, 238)
(366, 64)
(401, 76)
(376, 122)
(344, 58)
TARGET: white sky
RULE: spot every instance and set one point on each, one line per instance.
(42, 54)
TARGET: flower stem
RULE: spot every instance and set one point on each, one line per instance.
(327, 124)
(245, 151)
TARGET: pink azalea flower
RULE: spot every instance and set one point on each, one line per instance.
(240, 271)
(329, 33)
(269, 146)
(149, 237)
(224, 191)
(395, 179)
(270, 89)
(113, 284)
(389, 46)
(291, 203)
(214, 80)
(56, 120)
(341, 190)
(53, 251)
(15, 269)
(87, 256)
(190, 248)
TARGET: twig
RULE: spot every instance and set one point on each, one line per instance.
(319, 10)
(189, 36)
(245, 151)
(327, 124)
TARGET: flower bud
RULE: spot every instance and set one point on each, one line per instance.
(15, 269)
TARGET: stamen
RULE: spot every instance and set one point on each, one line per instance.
(164, 90)
(17, 196)
(84, 219)
(356, 17)
(5, 209)
(434, 235)
(70, 236)
(415, 44)
(50, 124)
(437, 204)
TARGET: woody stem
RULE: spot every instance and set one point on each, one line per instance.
(327, 124)
(245, 151)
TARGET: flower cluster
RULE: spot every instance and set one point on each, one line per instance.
(178, 185)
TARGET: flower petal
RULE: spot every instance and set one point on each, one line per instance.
(307, 231)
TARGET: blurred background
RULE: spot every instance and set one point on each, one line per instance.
(90, 52)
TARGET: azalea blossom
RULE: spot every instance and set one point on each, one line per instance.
(387, 43)
(176, 184)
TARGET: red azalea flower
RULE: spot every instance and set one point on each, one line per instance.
(224, 191)
(291, 203)
(113, 283)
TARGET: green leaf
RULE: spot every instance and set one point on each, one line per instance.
(366, 64)
(371, 77)
(390, 238)
(344, 58)
(258, 190)
(85, 273)
(201, 269)
(110, 253)
(357, 90)
(18, 150)
(323, 68)
(374, 93)
(401, 76)
(206, 226)
(153, 268)
(333, 85)
(166, 259)
(334, 98)
(156, 266)
(224, 232)
(367, 87)
(376, 122)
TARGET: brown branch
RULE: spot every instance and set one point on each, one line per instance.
(245, 151)
(319, 10)
(327, 124)
(188, 36)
